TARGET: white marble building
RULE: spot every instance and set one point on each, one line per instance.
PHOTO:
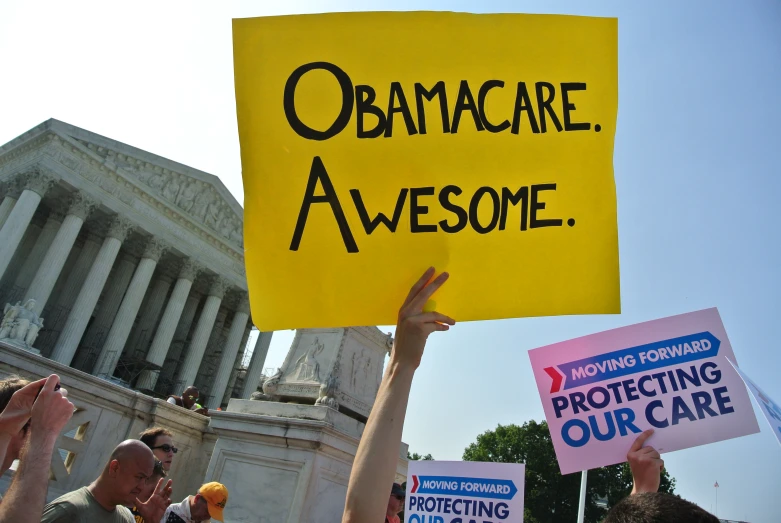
(135, 263)
(129, 267)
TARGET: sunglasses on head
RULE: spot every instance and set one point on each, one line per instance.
(167, 448)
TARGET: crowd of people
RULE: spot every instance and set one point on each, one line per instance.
(133, 485)
(131, 488)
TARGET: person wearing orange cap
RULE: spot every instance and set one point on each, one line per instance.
(207, 504)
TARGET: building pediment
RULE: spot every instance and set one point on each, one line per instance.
(200, 196)
(189, 209)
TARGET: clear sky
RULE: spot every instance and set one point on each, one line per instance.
(697, 167)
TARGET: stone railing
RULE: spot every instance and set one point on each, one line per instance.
(105, 415)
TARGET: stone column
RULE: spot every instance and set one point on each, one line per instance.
(204, 378)
(85, 302)
(168, 323)
(57, 254)
(256, 364)
(202, 333)
(5, 208)
(141, 337)
(237, 365)
(173, 360)
(11, 191)
(123, 322)
(115, 287)
(67, 269)
(32, 261)
(20, 216)
(79, 272)
(221, 379)
(9, 290)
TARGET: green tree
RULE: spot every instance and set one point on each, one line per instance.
(550, 497)
(417, 457)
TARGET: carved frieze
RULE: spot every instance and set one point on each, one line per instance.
(198, 199)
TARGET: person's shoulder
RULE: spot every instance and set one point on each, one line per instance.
(171, 516)
(61, 510)
(75, 498)
(125, 514)
(68, 508)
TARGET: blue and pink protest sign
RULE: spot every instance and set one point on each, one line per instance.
(672, 375)
(464, 491)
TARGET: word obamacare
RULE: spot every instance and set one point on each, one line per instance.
(362, 99)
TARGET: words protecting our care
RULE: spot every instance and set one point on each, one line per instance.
(672, 375)
(464, 492)
(359, 163)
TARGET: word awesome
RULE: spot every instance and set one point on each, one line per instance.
(362, 99)
(449, 198)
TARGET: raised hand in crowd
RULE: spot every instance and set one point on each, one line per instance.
(44, 404)
(153, 509)
(646, 464)
(375, 462)
(19, 409)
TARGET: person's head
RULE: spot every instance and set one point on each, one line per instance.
(189, 397)
(8, 387)
(124, 477)
(161, 442)
(209, 502)
(657, 507)
(396, 500)
(151, 482)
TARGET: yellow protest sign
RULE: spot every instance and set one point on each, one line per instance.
(375, 145)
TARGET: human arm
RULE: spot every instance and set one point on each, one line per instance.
(16, 414)
(378, 451)
(646, 465)
(154, 508)
(26, 496)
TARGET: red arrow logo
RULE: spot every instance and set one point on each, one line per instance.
(557, 378)
(415, 484)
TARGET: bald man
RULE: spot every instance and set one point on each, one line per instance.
(106, 499)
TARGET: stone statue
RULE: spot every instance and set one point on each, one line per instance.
(21, 324)
(9, 319)
(214, 215)
(171, 189)
(327, 396)
(307, 366)
(187, 196)
(202, 201)
(237, 236)
(157, 181)
(270, 388)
